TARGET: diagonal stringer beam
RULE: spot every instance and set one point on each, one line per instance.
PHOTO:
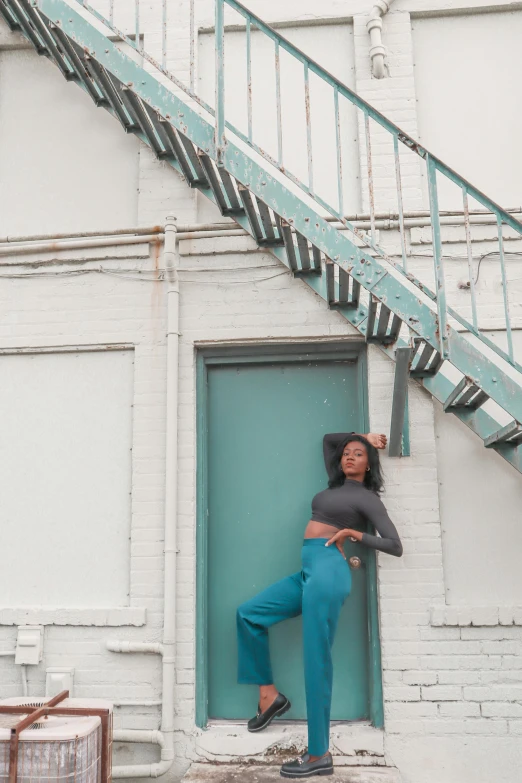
(493, 375)
(416, 310)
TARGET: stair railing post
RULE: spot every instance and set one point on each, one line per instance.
(440, 286)
(220, 82)
(469, 248)
(137, 23)
(339, 155)
(400, 207)
(164, 19)
(505, 291)
(249, 77)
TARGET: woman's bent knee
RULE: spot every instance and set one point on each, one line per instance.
(242, 612)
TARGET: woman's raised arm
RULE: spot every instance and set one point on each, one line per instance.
(330, 443)
(388, 539)
(332, 440)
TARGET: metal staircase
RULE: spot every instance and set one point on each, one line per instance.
(308, 232)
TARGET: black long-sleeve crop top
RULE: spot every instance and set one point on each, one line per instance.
(352, 504)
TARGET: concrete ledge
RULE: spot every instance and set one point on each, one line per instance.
(475, 615)
(48, 615)
(230, 742)
(212, 773)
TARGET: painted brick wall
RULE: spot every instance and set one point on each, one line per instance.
(448, 684)
(439, 681)
(59, 311)
(283, 309)
(395, 97)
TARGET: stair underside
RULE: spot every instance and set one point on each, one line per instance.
(280, 219)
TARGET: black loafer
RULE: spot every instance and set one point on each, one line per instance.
(304, 768)
(279, 706)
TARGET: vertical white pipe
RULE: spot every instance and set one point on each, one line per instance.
(168, 649)
(170, 255)
(374, 27)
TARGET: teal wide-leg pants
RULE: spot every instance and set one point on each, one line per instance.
(317, 592)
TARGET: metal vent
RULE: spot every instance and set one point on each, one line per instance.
(10, 721)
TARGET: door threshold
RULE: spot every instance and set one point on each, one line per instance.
(356, 742)
(283, 722)
(269, 773)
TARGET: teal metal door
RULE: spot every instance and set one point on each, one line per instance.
(265, 421)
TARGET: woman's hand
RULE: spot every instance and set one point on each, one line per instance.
(379, 441)
(339, 538)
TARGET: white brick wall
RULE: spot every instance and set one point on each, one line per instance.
(453, 692)
(98, 309)
(394, 97)
(439, 680)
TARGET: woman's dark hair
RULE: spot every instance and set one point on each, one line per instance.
(373, 478)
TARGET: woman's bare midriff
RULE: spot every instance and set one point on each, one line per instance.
(319, 530)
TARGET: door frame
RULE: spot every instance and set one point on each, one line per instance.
(269, 354)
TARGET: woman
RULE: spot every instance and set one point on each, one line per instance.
(317, 592)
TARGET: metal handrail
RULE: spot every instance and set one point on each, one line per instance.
(434, 165)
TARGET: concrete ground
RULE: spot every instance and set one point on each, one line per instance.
(258, 773)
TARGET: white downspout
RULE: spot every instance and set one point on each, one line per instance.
(374, 27)
(165, 737)
(171, 259)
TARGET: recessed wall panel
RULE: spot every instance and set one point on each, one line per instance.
(65, 457)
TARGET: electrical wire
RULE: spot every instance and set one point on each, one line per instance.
(234, 282)
(159, 274)
(508, 256)
(140, 275)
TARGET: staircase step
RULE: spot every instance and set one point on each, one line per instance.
(510, 435)
(108, 88)
(331, 262)
(191, 153)
(142, 120)
(222, 187)
(47, 38)
(465, 395)
(266, 220)
(382, 335)
(289, 245)
(25, 25)
(75, 58)
(343, 298)
(257, 773)
(425, 362)
(177, 149)
(9, 17)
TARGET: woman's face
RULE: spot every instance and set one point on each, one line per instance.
(354, 460)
